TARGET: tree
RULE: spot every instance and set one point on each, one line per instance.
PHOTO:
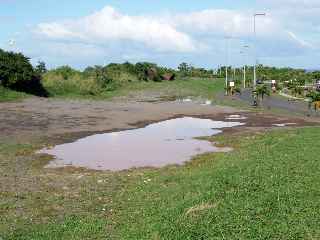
(184, 69)
(41, 68)
(17, 73)
(143, 70)
(314, 98)
(260, 92)
(65, 71)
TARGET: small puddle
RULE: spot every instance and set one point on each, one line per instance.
(283, 124)
(156, 145)
(236, 117)
(196, 101)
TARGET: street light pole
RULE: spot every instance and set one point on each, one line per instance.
(255, 49)
(244, 70)
(244, 67)
(227, 63)
(234, 73)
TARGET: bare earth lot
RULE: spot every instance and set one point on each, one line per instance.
(49, 117)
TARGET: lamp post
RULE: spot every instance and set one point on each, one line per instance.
(244, 70)
(227, 63)
(255, 49)
(244, 67)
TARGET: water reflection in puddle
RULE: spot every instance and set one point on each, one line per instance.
(284, 124)
(157, 145)
(196, 101)
(236, 117)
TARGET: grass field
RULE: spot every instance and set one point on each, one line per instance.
(10, 95)
(267, 188)
(206, 87)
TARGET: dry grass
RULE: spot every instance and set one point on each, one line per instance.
(200, 208)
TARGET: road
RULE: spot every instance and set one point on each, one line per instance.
(278, 102)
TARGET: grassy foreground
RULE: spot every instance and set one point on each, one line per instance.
(268, 188)
(10, 95)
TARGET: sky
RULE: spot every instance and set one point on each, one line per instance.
(206, 33)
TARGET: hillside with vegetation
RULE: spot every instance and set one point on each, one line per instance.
(18, 78)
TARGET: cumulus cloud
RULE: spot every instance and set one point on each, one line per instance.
(222, 22)
(194, 35)
(171, 33)
(274, 36)
(109, 24)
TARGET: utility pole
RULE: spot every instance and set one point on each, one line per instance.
(227, 63)
(244, 67)
(244, 71)
(255, 49)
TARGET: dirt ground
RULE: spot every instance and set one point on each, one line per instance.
(52, 117)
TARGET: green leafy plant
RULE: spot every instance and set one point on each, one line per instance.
(314, 98)
(17, 73)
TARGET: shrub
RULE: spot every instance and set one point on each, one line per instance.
(98, 79)
(65, 71)
(17, 73)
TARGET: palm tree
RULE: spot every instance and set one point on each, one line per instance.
(259, 94)
(262, 91)
(295, 88)
(314, 98)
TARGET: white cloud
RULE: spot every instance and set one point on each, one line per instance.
(56, 31)
(274, 36)
(108, 24)
(224, 22)
(197, 35)
(171, 33)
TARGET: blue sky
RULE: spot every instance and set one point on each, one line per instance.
(81, 33)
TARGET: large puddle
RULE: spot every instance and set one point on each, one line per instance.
(156, 145)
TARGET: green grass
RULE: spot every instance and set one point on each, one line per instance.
(180, 88)
(10, 95)
(194, 87)
(197, 87)
(72, 228)
(267, 188)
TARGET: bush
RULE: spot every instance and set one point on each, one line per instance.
(98, 79)
(65, 71)
(17, 73)
(66, 81)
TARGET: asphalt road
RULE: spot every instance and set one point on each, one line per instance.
(278, 102)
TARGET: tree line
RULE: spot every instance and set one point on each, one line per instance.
(17, 73)
(265, 73)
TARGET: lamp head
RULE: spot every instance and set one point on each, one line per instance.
(260, 14)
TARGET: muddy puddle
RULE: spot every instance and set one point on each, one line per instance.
(283, 124)
(236, 117)
(156, 145)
